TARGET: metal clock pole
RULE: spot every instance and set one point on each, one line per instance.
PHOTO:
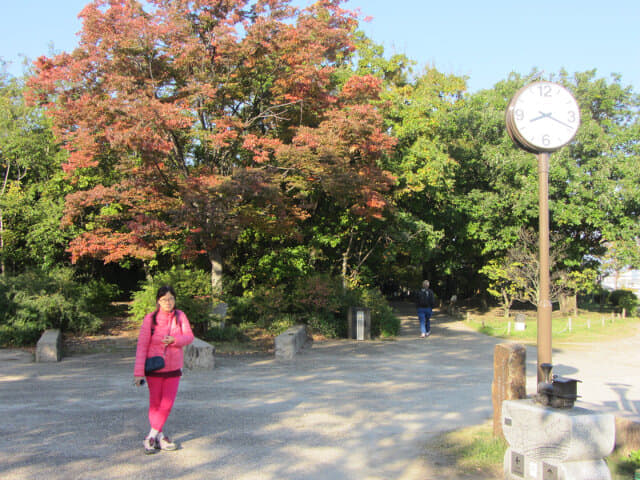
(541, 118)
(544, 301)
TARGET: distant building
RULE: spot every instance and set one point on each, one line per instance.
(626, 279)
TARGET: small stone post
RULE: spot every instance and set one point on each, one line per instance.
(49, 347)
(199, 354)
(509, 379)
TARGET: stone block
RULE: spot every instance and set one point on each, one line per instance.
(49, 347)
(290, 342)
(536, 469)
(509, 378)
(199, 354)
(556, 444)
(221, 310)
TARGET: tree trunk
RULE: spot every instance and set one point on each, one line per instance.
(216, 273)
(345, 263)
(4, 188)
(507, 305)
(1, 244)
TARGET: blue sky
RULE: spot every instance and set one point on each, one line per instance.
(483, 40)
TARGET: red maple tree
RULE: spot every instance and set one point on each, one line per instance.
(188, 121)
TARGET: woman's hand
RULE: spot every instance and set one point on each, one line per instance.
(168, 340)
(138, 381)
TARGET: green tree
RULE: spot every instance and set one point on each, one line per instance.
(504, 283)
(593, 182)
(32, 185)
(421, 116)
(592, 200)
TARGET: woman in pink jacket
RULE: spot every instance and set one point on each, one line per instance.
(163, 333)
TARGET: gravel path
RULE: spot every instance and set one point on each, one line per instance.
(340, 410)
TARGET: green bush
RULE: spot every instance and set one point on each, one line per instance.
(193, 296)
(318, 301)
(627, 466)
(282, 323)
(262, 306)
(384, 323)
(36, 300)
(310, 300)
(228, 333)
(327, 325)
(624, 299)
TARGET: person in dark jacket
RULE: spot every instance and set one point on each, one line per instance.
(424, 304)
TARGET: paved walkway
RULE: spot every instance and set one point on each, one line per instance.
(340, 410)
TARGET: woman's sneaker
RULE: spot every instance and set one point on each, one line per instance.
(150, 445)
(163, 443)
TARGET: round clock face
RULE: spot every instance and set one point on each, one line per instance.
(543, 116)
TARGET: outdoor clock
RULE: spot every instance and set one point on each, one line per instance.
(542, 117)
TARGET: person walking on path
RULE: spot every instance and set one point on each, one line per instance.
(163, 333)
(424, 305)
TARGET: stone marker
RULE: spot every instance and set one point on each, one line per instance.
(290, 342)
(547, 443)
(509, 378)
(49, 347)
(199, 354)
(220, 309)
(359, 323)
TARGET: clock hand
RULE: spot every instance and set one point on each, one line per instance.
(542, 115)
(551, 117)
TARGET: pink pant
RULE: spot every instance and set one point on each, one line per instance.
(162, 393)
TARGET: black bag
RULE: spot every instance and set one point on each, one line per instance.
(152, 364)
(425, 298)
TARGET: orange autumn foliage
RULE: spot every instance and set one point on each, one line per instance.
(188, 122)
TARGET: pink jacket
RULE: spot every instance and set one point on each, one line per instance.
(175, 324)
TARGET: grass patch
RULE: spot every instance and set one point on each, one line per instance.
(475, 452)
(584, 327)
(623, 466)
(470, 451)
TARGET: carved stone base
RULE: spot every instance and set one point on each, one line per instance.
(551, 444)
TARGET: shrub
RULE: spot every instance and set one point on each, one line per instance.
(313, 300)
(193, 292)
(264, 305)
(229, 333)
(624, 299)
(327, 325)
(318, 301)
(282, 323)
(36, 300)
(318, 293)
(384, 322)
(629, 465)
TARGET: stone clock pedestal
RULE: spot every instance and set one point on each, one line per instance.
(556, 444)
